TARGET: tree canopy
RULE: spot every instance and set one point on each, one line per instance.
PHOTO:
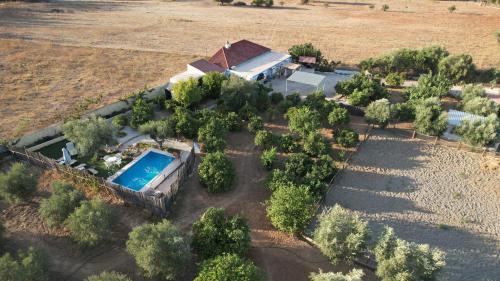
(18, 185)
(429, 86)
(303, 120)
(378, 113)
(212, 135)
(212, 84)
(216, 172)
(142, 112)
(478, 132)
(30, 265)
(187, 92)
(159, 130)
(338, 116)
(236, 91)
(456, 68)
(108, 276)
(63, 201)
(89, 134)
(353, 275)
(229, 267)
(429, 117)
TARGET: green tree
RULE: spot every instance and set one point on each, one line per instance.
(471, 91)
(265, 139)
(187, 92)
(404, 111)
(306, 49)
(63, 201)
(278, 178)
(108, 276)
(276, 97)
(185, 124)
(216, 233)
(479, 132)
(456, 68)
(359, 98)
(29, 266)
(160, 249)
(378, 113)
(18, 185)
(89, 134)
(159, 130)
(354, 275)
(255, 124)
(142, 112)
(291, 209)
(212, 84)
(346, 138)
(315, 144)
(288, 143)
(268, 158)
(341, 235)
(298, 164)
(481, 106)
(429, 117)
(401, 260)
(91, 223)
(317, 101)
(236, 91)
(395, 79)
(229, 267)
(338, 116)
(216, 172)
(212, 135)
(429, 86)
(361, 89)
(303, 120)
(452, 8)
(120, 121)
(232, 121)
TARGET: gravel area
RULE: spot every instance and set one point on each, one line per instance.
(429, 194)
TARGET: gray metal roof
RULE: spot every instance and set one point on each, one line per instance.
(306, 78)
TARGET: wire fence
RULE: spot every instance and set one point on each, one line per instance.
(158, 203)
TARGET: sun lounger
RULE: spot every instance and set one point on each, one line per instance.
(71, 148)
(81, 167)
(92, 171)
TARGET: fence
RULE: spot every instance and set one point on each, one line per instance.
(158, 205)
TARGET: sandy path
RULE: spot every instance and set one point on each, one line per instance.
(429, 194)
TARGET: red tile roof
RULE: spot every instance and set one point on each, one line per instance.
(305, 59)
(206, 66)
(237, 53)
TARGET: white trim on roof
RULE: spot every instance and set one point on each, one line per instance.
(259, 64)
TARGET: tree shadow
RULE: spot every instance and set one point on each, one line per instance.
(343, 3)
(375, 182)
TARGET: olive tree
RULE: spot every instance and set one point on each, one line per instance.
(159, 249)
(303, 120)
(30, 265)
(471, 91)
(216, 172)
(338, 116)
(398, 259)
(212, 84)
(456, 68)
(18, 185)
(92, 223)
(378, 113)
(229, 267)
(341, 235)
(291, 209)
(478, 132)
(89, 134)
(395, 79)
(236, 91)
(215, 233)
(353, 275)
(159, 130)
(63, 201)
(429, 117)
(108, 276)
(187, 92)
(481, 106)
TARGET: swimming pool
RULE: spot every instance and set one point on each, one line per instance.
(143, 170)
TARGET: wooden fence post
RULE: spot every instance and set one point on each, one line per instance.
(436, 140)
(413, 135)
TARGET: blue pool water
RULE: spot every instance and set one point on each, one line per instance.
(144, 170)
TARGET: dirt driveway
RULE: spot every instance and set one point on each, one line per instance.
(281, 256)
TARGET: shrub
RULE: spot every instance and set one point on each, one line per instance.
(141, 113)
(354, 275)
(395, 79)
(268, 158)
(471, 91)
(159, 130)
(278, 178)
(185, 124)
(452, 8)
(18, 185)
(120, 121)
(261, 99)
(216, 172)
(429, 119)
(63, 201)
(212, 84)
(284, 105)
(232, 122)
(288, 143)
(346, 138)
(265, 139)
(359, 98)
(303, 120)
(385, 7)
(477, 132)
(378, 113)
(298, 164)
(255, 124)
(315, 144)
(30, 266)
(317, 101)
(403, 260)
(236, 91)
(276, 97)
(322, 169)
(341, 235)
(91, 223)
(216, 233)
(338, 116)
(187, 92)
(306, 49)
(402, 111)
(108, 276)
(90, 134)
(294, 99)
(248, 111)
(291, 209)
(159, 249)
(229, 267)
(429, 86)
(456, 68)
(212, 135)
(481, 106)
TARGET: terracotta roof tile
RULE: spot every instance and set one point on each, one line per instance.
(237, 53)
(206, 66)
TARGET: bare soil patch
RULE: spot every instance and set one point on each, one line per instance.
(429, 194)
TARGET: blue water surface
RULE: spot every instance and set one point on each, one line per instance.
(144, 170)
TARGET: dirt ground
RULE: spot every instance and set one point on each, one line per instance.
(430, 194)
(53, 54)
(282, 257)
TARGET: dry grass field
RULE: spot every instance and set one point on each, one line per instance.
(55, 54)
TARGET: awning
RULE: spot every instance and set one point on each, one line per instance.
(305, 59)
(292, 66)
